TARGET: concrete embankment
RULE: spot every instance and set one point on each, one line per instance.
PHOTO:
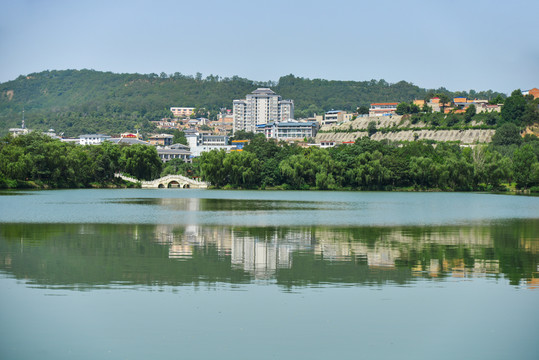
(393, 130)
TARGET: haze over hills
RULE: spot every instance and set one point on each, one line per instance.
(76, 102)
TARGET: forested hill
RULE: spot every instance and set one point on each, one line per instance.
(86, 101)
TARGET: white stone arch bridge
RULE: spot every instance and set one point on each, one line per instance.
(169, 181)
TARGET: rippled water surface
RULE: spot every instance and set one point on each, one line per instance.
(137, 274)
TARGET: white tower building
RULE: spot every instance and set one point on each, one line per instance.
(260, 107)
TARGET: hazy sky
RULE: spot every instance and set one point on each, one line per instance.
(459, 44)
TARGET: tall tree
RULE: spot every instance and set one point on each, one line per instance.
(513, 108)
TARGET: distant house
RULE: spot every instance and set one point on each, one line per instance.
(169, 154)
(161, 139)
(336, 116)
(93, 139)
(182, 111)
(419, 103)
(436, 106)
(461, 104)
(18, 131)
(165, 124)
(239, 144)
(381, 109)
(534, 92)
(128, 141)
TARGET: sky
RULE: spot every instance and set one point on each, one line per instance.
(458, 44)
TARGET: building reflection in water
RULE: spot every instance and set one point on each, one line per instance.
(261, 252)
(180, 254)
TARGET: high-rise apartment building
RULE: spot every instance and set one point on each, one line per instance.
(262, 106)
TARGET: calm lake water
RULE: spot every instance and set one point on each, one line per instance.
(194, 274)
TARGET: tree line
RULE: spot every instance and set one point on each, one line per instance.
(373, 165)
(40, 161)
(37, 160)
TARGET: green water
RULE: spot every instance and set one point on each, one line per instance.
(137, 274)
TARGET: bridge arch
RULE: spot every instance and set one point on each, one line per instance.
(177, 181)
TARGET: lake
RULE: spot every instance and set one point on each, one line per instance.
(203, 274)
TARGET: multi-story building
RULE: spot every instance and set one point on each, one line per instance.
(336, 116)
(380, 109)
(286, 130)
(262, 106)
(199, 143)
(182, 111)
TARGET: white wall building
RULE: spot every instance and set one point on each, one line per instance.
(260, 107)
(289, 130)
(336, 116)
(93, 139)
(199, 143)
(381, 109)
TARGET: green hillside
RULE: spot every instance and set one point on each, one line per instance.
(76, 102)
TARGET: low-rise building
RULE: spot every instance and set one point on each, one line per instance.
(161, 139)
(167, 154)
(199, 143)
(336, 116)
(166, 124)
(383, 109)
(285, 130)
(419, 103)
(93, 139)
(461, 104)
(18, 131)
(128, 141)
(181, 112)
(436, 106)
(239, 144)
(534, 92)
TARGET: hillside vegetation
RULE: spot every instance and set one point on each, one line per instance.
(76, 102)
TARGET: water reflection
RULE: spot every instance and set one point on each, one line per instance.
(201, 204)
(88, 255)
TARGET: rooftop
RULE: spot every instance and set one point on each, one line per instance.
(267, 91)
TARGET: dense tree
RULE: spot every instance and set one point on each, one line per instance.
(513, 108)
(363, 110)
(242, 168)
(141, 161)
(524, 164)
(403, 108)
(179, 137)
(470, 113)
(49, 162)
(507, 134)
(444, 100)
(371, 128)
(212, 168)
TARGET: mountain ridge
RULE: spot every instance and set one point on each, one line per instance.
(88, 101)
